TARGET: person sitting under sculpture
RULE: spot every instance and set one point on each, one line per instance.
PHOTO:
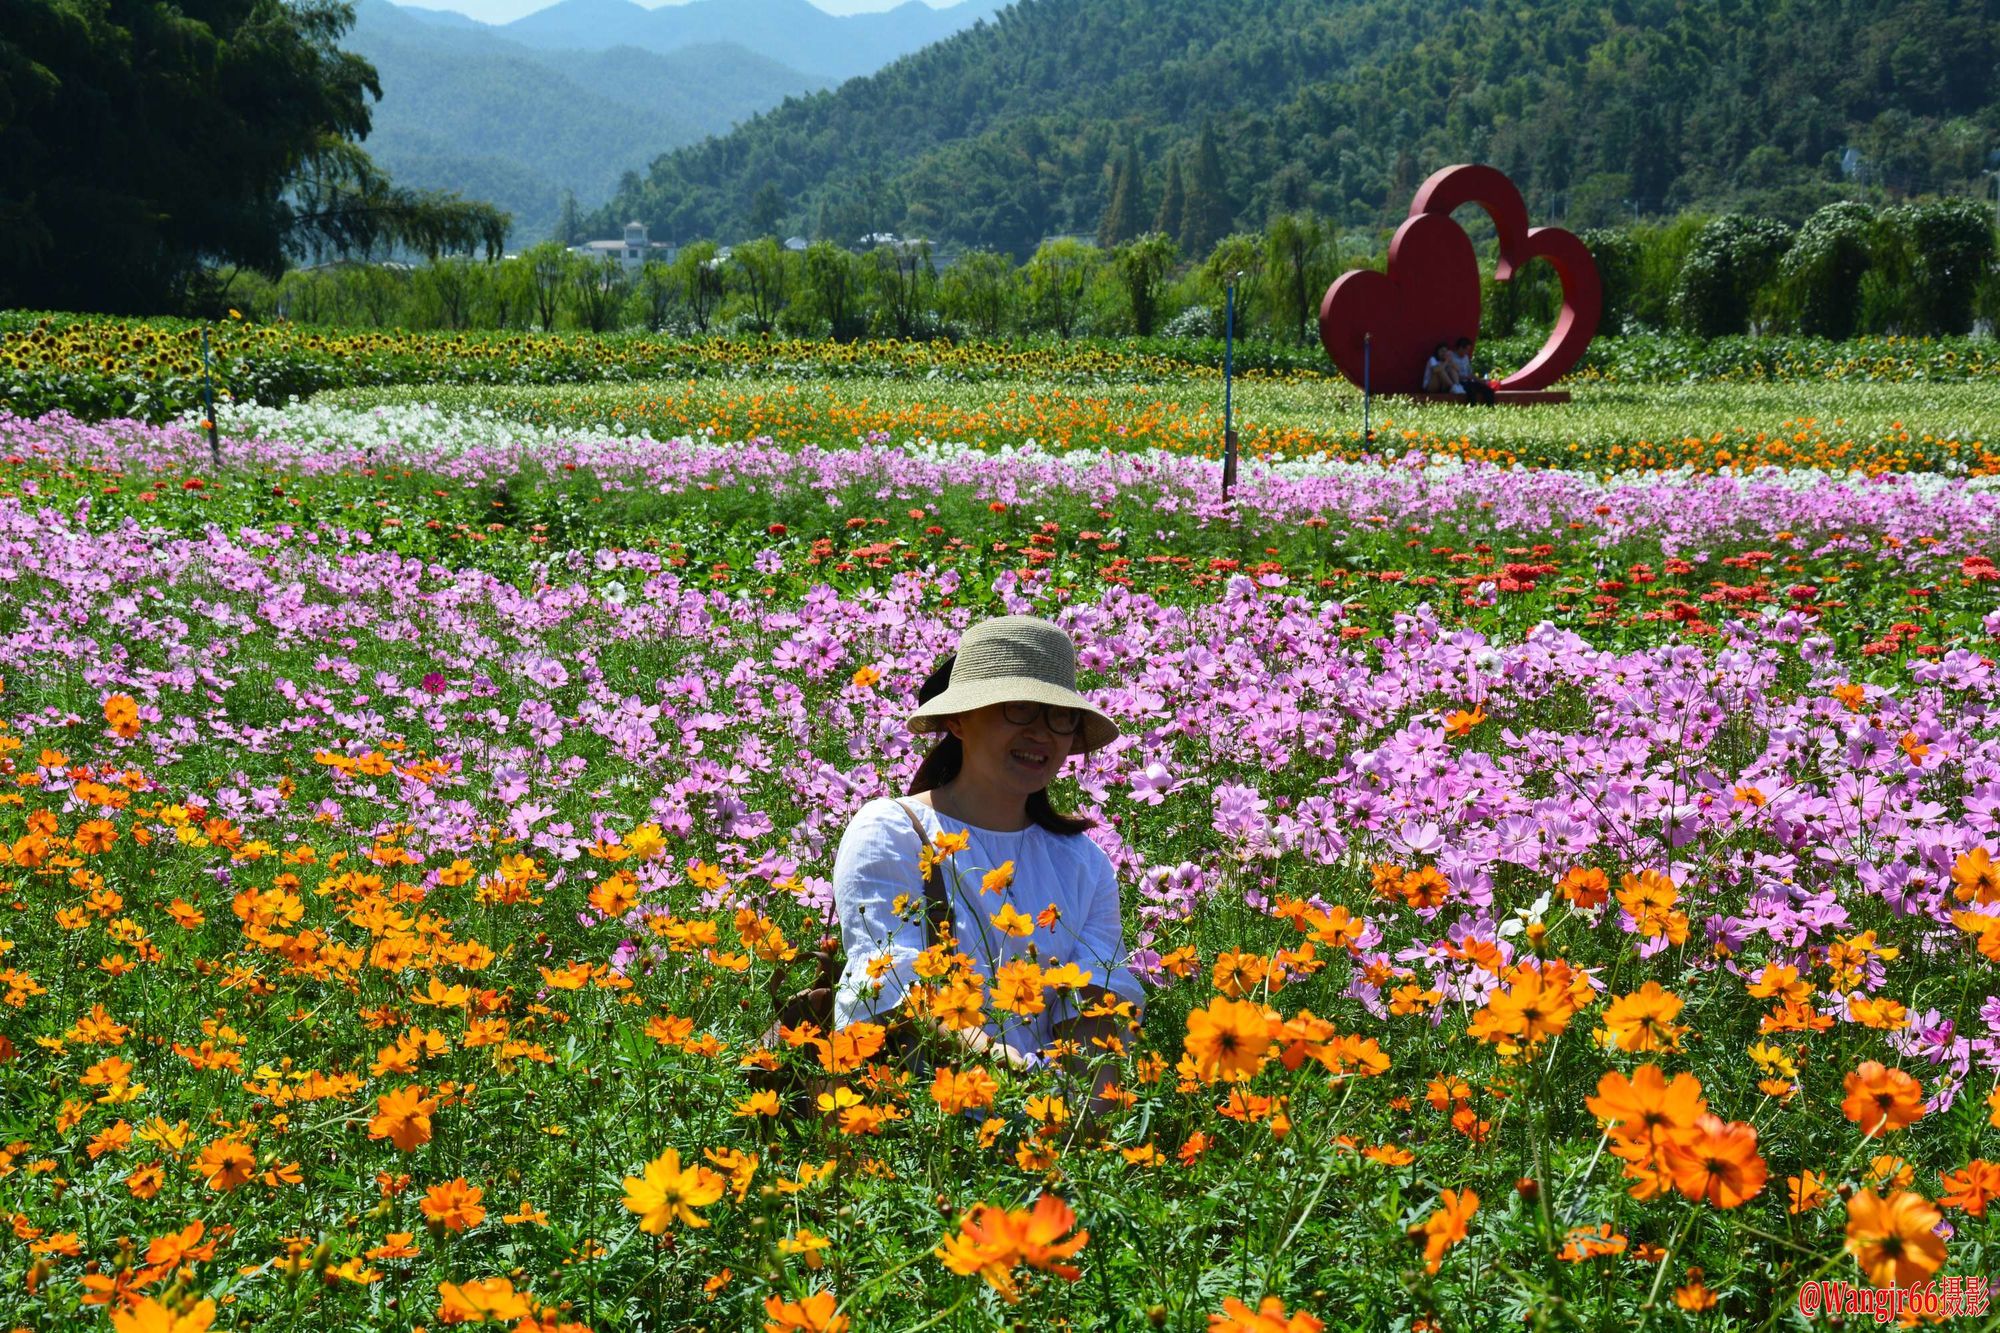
(1469, 383)
(1441, 372)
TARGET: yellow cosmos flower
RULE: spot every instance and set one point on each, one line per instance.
(666, 1193)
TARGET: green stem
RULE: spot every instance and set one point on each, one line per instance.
(1660, 1275)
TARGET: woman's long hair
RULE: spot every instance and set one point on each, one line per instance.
(947, 757)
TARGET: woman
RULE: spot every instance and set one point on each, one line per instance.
(1441, 372)
(1007, 703)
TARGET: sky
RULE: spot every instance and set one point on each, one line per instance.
(505, 11)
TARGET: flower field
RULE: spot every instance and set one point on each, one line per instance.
(1565, 895)
(1707, 427)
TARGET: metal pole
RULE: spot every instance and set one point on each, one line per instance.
(1228, 376)
(208, 404)
(1367, 351)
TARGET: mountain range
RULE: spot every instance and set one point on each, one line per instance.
(1601, 110)
(573, 97)
(795, 33)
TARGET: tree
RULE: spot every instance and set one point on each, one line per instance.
(1121, 216)
(1142, 267)
(1173, 201)
(699, 270)
(657, 292)
(1207, 214)
(597, 291)
(1936, 255)
(761, 266)
(1242, 253)
(905, 283)
(1303, 257)
(549, 267)
(1058, 275)
(569, 221)
(767, 210)
(981, 289)
(1820, 276)
(507, 299)
(1615, 252)
(1733, 259)
(833, 290)
(145, 144)
(445, 290)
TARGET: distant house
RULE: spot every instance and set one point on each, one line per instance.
(633, 251)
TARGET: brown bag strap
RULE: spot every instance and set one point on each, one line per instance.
(937, 905)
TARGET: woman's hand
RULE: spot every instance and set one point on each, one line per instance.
(1091, 1035)
(976, 1042)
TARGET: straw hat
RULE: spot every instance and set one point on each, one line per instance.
(1008, 658)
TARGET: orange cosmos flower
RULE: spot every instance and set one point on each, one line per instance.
(481, 1300)
(226, 1165)
(1645, 1114)
(1976, 876)
(958, 1091)
(1237, 974)
(1011, 922)
(1695, 1296)
(1461, 723)
(121, 713)
(1585, 1243)
(1525, 1013)
(1805, 1192)
(1880, 1099)
(1229, 1040)
(993, 1241)
(454, 1205)
(1585, 888)
(851, 1047)
(149, 1316)
(1643, 1020)
(1972, 1187)
(1894, 1239)
(1647, 1103)
(1718, 1162)
(666, 1193)
(1446, 1226)
(403, 1117)
(814, 1314)
(1017, 988)
(1268, 1317)
(395, 1245)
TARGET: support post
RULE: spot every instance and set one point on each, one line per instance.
(1228, 378)
(1367, 350)
(208, 405)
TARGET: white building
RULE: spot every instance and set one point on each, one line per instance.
(633, 251)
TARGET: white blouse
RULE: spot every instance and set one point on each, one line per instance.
(877, 863)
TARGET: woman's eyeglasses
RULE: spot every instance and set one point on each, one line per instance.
(1062, 721)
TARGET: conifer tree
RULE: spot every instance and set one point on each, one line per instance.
(1121, 216)
(1173, 203)
(1207, 213)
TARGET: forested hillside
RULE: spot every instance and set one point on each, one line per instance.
(1221, 112)
(467, 110)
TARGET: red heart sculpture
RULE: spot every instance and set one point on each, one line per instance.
(1431, 292)
(1429, 295)
(1583, 292)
